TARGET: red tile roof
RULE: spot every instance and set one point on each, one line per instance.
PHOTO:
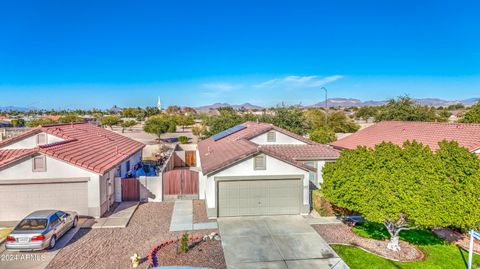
(305, 152)
(427, 133)
(215, 155)
(8, 156)
(85, 145)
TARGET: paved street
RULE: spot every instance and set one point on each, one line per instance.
(278, 242)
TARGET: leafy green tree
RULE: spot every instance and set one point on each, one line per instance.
(40, 122)
(366, 112)
(340, 123)
(405, 108)
(407, 187)
(70, 118)
(127, 124)
(133, 112)
(18, 122)
(159, 125)
(472, 115)
(110, 121)
(183, 139)
(228, 118)
(323, 136)
(198, 131)
(289, 118)
(184, 120)
(337, 121)
(151, 111)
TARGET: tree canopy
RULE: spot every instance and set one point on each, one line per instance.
(39, 122)
(323, 136)
(337, 121)
(405, 108)
(110, 121)
(159, 125)
(472, 115)
(127, 124)
(70, 118)
(409, 186)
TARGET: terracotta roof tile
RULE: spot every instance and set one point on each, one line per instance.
(85, 145)
(305, 152)
(8, 156)
(427, 133)
(215, 155)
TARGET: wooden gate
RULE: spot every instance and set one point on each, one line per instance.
(180, 183)
(130, 189)
(190, 158)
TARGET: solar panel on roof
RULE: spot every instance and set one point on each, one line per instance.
(228, 132)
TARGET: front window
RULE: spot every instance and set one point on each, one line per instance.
(260, 162)
(271, 136)
(41, 139)
(39, 164)
(32, 224)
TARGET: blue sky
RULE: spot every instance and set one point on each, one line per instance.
(84, 54)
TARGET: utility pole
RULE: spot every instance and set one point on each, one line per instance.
(326, 107)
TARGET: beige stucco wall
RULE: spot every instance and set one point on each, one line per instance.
(31, 142)
(280, 139)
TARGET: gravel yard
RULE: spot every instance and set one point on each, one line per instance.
(112, 248)
(342, 234)
(200, 212)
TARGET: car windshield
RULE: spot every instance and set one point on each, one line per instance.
(32, 224)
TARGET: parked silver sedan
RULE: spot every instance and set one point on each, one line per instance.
(41, 230)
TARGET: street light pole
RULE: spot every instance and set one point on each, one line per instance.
(326, 107)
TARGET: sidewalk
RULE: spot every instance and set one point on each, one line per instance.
(119, 218)
(182, 218)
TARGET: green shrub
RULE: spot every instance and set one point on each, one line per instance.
(323, 136)
(184, 243)
(183, 139)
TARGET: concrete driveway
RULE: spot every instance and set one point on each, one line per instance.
(275, 242)
(33, 260)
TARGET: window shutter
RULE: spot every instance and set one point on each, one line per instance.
(39, 164)
(41, 139)
(260, 162)
(271, 136)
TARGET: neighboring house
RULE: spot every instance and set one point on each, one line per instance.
(259, 169)
(427, 133)
(63, 166)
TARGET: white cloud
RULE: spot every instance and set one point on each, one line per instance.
(298, 82)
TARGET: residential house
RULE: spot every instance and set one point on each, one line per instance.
(259, 169)
(427, 133)
(63, 166)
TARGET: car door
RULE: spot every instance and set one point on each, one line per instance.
(56, 225)
(63, 226)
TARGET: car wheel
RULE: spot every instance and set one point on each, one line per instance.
(53, 242)
(75, 222)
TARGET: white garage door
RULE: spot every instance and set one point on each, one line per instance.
(259, 197)
(18, 200)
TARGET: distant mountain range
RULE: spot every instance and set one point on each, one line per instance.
(331, 102)
(348, 102)
(16, 108)
(218, 105)
(351, 102)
